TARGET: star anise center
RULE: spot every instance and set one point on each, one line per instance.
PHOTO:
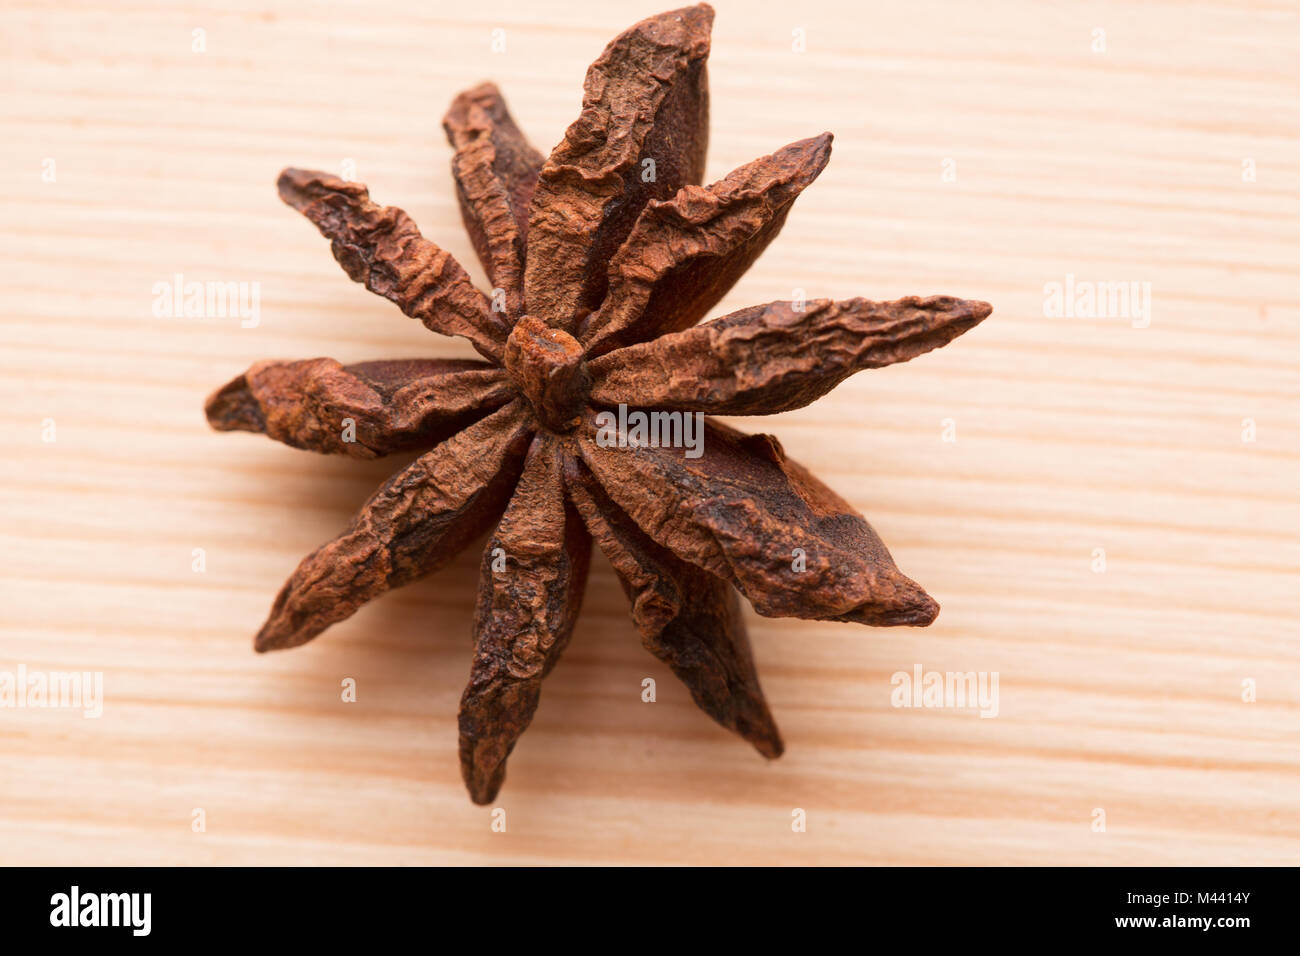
(546, 365)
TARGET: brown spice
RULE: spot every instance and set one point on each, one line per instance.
(604, 258)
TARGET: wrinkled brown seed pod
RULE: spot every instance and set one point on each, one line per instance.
(603, 274)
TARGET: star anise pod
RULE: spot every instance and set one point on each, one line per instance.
(604, 258)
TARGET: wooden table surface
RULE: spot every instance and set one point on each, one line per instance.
(1114, 531)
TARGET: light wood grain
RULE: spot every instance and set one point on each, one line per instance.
(1119, 690)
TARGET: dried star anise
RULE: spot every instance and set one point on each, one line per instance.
(603, 257)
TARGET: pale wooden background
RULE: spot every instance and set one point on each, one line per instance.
(1119, 690)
